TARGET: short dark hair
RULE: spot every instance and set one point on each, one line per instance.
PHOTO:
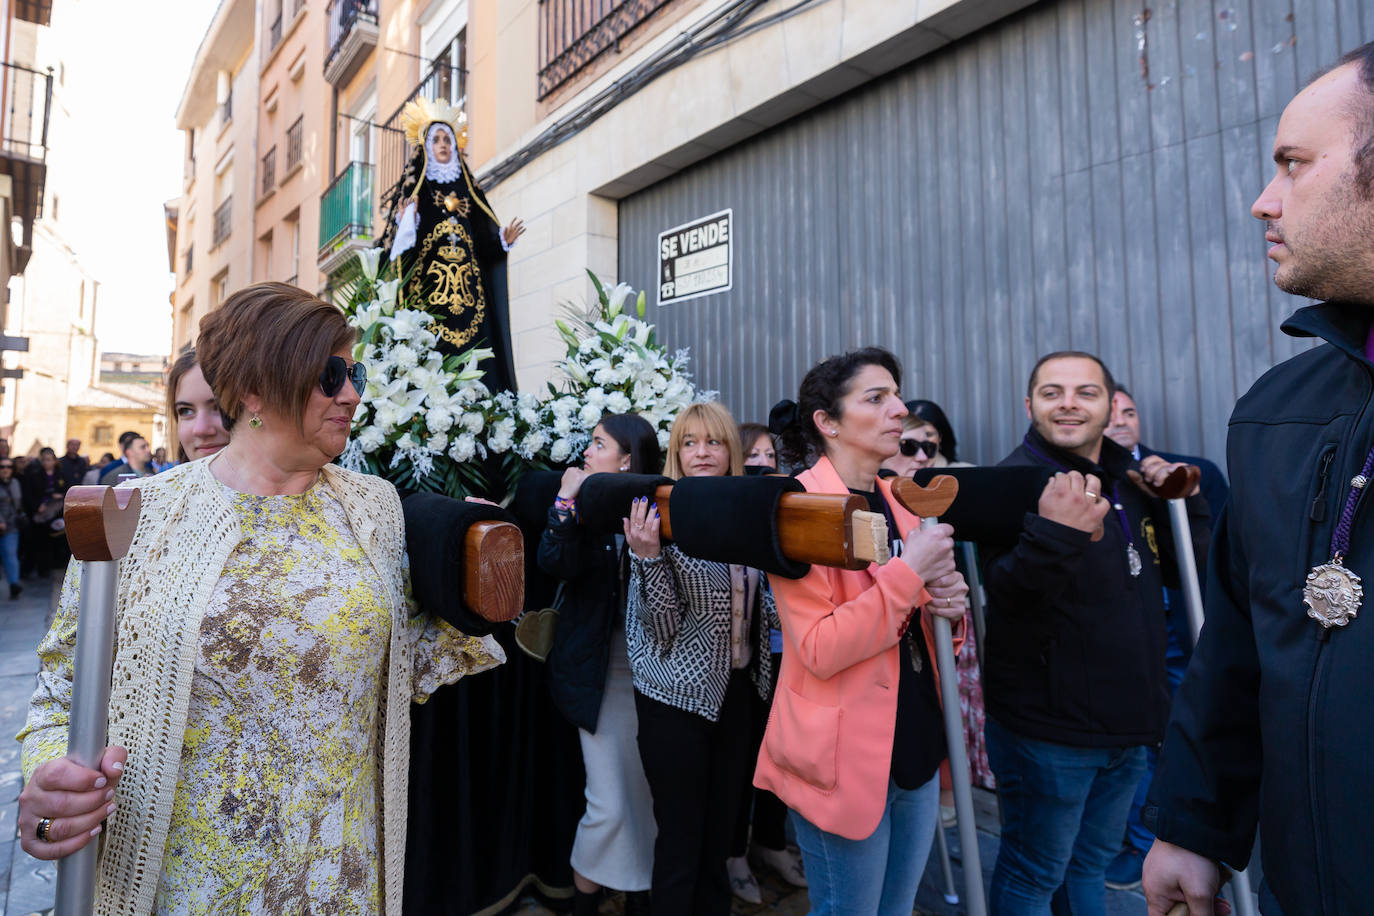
(823, 388)
(270, 340)
(1122, 389)
(636, 438)
(929, 412)
(126, 437)
(1071, 354)
(1362, 115)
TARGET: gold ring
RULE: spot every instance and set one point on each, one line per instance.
(41, 831)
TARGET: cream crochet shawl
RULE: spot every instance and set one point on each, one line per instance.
(186, 532)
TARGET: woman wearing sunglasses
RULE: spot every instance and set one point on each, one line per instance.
(265, 659)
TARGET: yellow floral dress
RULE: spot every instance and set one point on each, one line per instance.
(276, 807)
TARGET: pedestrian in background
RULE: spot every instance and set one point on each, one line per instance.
(199, 429)
(44, 490)
(74, 465)
(13, 521)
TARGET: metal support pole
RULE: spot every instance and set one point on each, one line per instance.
(947, 870)
(958, 761)
(977, 600)
(94, 659)
(1241, 894)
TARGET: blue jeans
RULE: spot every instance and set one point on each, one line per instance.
(1063, 813)
(877, 876)
(1175, 663)
(9, 554)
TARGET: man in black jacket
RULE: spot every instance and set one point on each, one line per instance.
(1271, 723)
(1074, 680)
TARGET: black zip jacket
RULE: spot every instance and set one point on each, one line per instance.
(589, 565)
(1075, 643)
(1272, 722)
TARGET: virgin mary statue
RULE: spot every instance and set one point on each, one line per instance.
(447, 242)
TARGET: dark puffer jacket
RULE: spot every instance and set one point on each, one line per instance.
(592, 604)
(1272, 723)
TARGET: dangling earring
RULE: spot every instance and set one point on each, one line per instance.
(255, 422)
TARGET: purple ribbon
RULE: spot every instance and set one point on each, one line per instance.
(1340, 538)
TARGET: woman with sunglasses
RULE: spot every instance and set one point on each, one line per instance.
(265, 659)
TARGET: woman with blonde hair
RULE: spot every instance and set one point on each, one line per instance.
(195, 414)
(266, 655)
(697, 632)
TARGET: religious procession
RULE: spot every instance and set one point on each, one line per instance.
(755, 517)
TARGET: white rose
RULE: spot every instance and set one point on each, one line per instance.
(663, 438)
(562, 426)
(371, 439)
(438, 420)
(463, 449)
(590, 415)
(473, 423)
(595, 397)
(437, 442)
(500, 444)
(560, 452)
(618, 403)
(404, 357)
(503, 428)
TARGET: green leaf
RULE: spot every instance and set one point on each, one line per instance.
(639, 304)
(600, 290)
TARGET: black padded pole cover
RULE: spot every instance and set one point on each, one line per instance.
(733, 520)
(604, 499)
(436, 529)
(992, 503)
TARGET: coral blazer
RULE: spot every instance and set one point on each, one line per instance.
(827, 752)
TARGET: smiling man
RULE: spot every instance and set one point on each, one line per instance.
(1272, 723)
(1074, 678)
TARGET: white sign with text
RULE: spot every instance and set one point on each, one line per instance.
(696, 259)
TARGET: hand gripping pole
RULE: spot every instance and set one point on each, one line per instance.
(100, 523)
(930, 503)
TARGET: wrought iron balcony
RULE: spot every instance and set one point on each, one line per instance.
(443, 81)
(352, 35)
(269, 172)
(293, 144)
(573, 33)
(345, 215)
(223, 221)
(24, 145)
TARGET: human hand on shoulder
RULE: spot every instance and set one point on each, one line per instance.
(1075, 501)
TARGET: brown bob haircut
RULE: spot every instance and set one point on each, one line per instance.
(270, 340)
(709, 419)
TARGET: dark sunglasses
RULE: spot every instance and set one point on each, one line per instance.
(910, 447)
(6, 467)
(336, 372)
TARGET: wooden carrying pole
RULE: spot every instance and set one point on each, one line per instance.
(930, 502)
(494, 570)
(825, 529)
(100, 523)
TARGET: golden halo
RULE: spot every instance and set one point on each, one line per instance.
(418, 114)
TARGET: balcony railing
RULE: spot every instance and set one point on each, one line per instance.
(293, 143)
(443, 81)
(269, 171)
(346, 208)
(274, 33)
(223, 220)
(27, 101)
(352, 34)
(573, 33)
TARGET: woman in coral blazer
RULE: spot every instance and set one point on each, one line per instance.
(855, 738)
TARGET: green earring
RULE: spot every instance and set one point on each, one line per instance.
(255, 422)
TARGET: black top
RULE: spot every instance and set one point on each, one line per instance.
(1271, 724)
(918, 743)
(1075, 643)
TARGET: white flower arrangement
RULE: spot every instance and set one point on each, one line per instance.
(427, 422)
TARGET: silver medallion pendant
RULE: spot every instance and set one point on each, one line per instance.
(1132, 560)
(1332, 594)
